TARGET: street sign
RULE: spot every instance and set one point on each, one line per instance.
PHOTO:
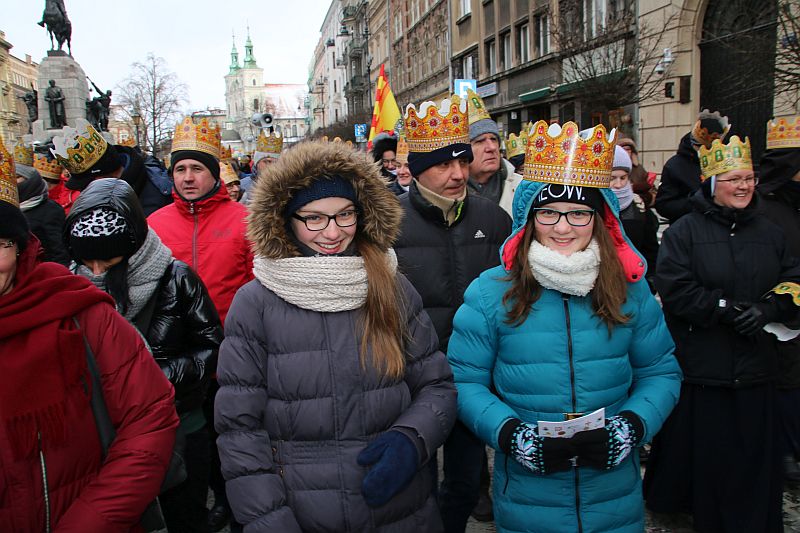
(361, 132)
(460, 87)
(490, 89)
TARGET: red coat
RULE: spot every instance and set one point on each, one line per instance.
(209, 236)
(85, 493)
(63, 196)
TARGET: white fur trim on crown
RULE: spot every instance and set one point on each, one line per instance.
(68, 136)
(444, 107)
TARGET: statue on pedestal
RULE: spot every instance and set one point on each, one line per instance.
(100, 107)
(58, 24)
(31, 99)
(54, 97)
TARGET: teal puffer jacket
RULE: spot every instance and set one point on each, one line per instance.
(562, 354)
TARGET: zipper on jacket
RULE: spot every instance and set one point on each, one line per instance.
(565, 299)
(195, 266)
(43, 466)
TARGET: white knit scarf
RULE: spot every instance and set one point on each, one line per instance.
(326, 284)
(573, 274)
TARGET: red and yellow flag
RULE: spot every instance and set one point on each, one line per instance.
(385, 114)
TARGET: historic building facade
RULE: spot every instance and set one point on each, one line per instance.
(17, 77)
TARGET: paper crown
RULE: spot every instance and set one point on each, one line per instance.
(270, 144)
(783, 132)
(227, 173)
(130, 142)
(225, 153)
(79, 149)
(48, 167)
(402, 150)
(23, 153)
(705, 137)
(721, 158)
(565, 155)
(8, 177)
(477, 111)
(516, 145)
(432, 128)
(201, 137)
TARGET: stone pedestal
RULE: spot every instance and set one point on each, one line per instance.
(71, 78)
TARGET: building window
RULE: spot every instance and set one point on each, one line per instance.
(255, 104)
(336, 114)
(491, 62)
(414, 11)
(523, 43)
(466, 7)
(398, 26)
(467, 68)
(294, 130)
(594, 18)
(542, 35)
(505, 51)
(334, 85)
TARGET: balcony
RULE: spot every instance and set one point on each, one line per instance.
(349, 13)
(355, 47)
(330, 42)
(341, 62)
(355, 85)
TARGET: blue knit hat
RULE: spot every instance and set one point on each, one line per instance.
(323, 187)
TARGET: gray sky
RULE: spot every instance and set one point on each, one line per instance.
(193, 36)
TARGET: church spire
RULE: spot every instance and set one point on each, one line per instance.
(249, 59)
(234, 56)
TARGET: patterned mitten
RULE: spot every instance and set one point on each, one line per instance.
(540, 455)
(607, 447)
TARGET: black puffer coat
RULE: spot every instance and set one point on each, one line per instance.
(680, 178)
(440, 260)
(641, 227)
(718, 253)
(147, 177)
(45, 220)
(184, 332)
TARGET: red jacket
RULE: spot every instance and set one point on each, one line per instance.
(209, 235)
(63, 196)
(85, 493)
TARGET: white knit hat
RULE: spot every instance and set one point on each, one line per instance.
(622, 161)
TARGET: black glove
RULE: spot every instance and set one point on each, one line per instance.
(729, 313)
(607, 447)
(394, 462)
(540, 455)
(754, 318)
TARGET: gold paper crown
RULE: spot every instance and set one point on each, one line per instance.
(565, 155)
(783, 133)
(477, 111)
(516, 145)
(702, 134)
(130, 142)
(227, 173)
(23, 153)
(79, 149)
(202, 137)
(271, 144)
(47, 167)
(225, 153)
(432, 128)
(8, 177)
(402, 150)
(721, 158)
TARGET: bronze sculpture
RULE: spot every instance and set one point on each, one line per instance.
(100, 107)
(58, 24)
(54, 97)
(32, 103)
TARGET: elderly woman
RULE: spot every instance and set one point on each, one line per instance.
(54, 477)
(724, 272)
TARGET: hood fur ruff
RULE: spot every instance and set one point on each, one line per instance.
(296, 169)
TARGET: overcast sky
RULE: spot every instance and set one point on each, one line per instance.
(193, 36)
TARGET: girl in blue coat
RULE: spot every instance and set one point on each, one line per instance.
(565, 326)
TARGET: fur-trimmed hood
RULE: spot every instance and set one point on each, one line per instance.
(380, 215)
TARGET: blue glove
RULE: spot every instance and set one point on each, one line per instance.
(394, 461)
(607, 447)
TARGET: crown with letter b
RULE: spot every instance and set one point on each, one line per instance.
(566, 155)
(721, 158)
(80, 148)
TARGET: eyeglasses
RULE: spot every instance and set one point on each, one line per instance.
(318, 222)
(551, 217)
(750, 180)
(389, 161)
(7, 244)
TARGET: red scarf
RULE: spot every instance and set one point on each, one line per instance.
(42, 355)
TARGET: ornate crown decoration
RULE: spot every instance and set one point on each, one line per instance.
(8, 177)
(402, 150)
(79, 149)
(202, 137)
(477, 111)
(270, 144)
(516, 145)
(565, 155)
(702, 135)
(129, 142)
(48, 167)
(721, 158)
(432, 128)
(783, 133)
(23, 153)
(227, 173)
(225, 153)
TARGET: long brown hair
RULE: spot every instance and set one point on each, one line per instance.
(608, 295)
(381, 317)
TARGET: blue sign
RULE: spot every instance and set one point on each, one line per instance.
(360, 131)
(460, 87)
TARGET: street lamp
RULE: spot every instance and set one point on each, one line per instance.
(137, 119)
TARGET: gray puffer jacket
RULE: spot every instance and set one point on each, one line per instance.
(296, 406)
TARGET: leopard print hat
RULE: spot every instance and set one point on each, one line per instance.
(101, 234)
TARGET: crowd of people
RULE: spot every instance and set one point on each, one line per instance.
(305, 333)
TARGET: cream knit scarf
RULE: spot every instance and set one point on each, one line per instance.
(327, 284)
(569, 274)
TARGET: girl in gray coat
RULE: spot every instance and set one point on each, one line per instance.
(333, 395)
